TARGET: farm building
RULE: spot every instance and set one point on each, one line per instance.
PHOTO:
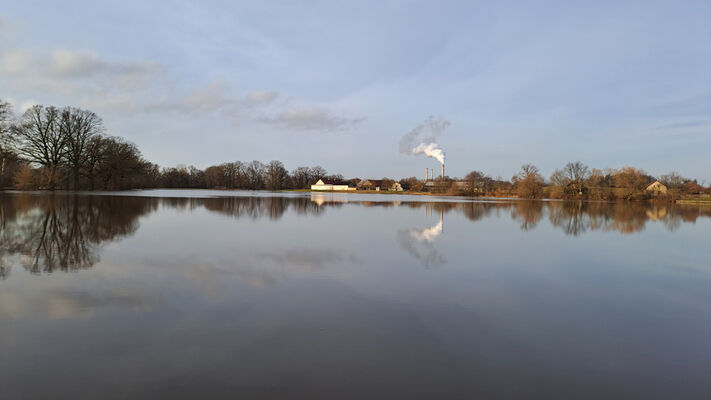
(656, 188)
(331, 185)
(379, 184)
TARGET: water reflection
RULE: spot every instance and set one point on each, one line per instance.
(420, 242)
(196, 296)
(48, 233)
(62, 233)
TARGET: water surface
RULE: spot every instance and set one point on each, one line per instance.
(200, 294)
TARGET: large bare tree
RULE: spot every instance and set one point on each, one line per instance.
(78, 127)
(5, 137)
(577, 173)
(41, 141)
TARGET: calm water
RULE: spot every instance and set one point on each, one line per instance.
(348, 296)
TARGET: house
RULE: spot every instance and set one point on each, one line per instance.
(331, 185)
(379, 184)
(656, 188)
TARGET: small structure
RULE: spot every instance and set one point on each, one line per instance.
(331, 185)
(378, 185)
(656, 188)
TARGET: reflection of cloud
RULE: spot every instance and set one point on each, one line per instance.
(427, 235)
(420, 244)
(70, 304)
(309, 259)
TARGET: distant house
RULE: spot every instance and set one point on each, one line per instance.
(656, 188)
(378, 185)
(331, 185)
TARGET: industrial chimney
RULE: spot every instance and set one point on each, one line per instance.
(427, 174)
(442, 171)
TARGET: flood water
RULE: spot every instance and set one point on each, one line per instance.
(198, 294)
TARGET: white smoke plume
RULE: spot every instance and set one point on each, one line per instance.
(423, 139)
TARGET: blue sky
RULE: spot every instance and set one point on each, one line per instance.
(338, 84)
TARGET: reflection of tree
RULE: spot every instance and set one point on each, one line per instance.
(528, 212)
(260, 207)
(570, 217)
(48, 233)
(63, 233)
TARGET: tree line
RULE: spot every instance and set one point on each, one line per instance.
(577, 181)
(68, 148)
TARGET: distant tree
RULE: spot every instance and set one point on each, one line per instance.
(7, 155)
(301, 178)
(196, 178)
(478, 183)
(577, 173)
(673, 180)
(692, 188)
(559, 178)
(276, 176)
(411, 184)
(630, 183)
(528, 183)
(215, 176)
(600, 184)
(255, 175)
(5, 117)
(316, 173)
(121, 164)
(387, 183)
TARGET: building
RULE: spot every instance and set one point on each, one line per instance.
(331, 185)
(378, 185)
(656, 188)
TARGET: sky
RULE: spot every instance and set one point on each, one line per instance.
(339, 83)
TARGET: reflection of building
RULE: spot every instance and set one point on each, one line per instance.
(656, 188)
(657, 213)
(331, 185)
(321, 199)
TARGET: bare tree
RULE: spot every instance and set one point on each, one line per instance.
(577, 173)
(529, 182)
(276, 175)
(215, 176)
(41, 141)
(300, 178)
(317, 172)
(255, 175)
(478, 182)
(558, 178)
(5, 137)
(78, 127)
(673, 180)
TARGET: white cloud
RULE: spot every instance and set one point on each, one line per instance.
(78, 64)
(260, 97)
(15, 62)
(214, 98)
(86, 79)
(310, 117)
(26, 105)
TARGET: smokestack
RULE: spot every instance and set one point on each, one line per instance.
(427, 174)
(442, 171)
